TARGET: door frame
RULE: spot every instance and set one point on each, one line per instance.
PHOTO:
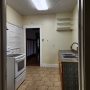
(3, 62)
(26, 42)
(81, 27)
(35, 26)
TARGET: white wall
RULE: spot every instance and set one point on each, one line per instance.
(75, 26)
(53, 40)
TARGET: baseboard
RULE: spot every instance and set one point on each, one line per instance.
(49, 65)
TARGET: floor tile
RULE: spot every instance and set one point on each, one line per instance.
(42, 88)
(54, 88)
(41, 78)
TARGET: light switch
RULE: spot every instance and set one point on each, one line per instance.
(42, 40)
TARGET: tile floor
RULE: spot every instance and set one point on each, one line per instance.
(41, 79)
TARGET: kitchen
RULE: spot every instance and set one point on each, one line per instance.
(54, 36)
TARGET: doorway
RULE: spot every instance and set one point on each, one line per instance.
(33, 46)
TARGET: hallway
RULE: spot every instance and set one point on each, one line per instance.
(33, 61)
(41, 78)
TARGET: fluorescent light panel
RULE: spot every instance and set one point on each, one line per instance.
(40, 4)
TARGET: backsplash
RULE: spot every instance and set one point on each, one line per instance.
(15, 41)
(14, 50)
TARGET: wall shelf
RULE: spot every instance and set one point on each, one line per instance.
(64, 23)
(60, 30)
(64, 29)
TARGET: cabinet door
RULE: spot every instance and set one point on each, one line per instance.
(70, 76)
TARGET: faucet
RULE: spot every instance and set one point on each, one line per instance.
(73, 44)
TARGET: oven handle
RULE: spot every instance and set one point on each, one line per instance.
(18, 60)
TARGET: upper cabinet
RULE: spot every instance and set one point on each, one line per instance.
(64, 22)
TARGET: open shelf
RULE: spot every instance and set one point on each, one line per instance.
(64, 24)
(64, 29)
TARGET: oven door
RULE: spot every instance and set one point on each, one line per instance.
(20, 66)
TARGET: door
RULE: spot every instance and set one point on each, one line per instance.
(81, 45)
(33, 46)
(2, 45)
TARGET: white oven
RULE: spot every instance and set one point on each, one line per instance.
(20, 65)
(16, 67)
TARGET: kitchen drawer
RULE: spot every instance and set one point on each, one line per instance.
(19, 80)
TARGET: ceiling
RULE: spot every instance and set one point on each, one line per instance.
(26, 7)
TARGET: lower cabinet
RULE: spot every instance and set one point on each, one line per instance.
(70, 76)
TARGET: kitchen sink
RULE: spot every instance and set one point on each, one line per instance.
(69, 55)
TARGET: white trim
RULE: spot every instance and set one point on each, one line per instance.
(50, 65)
(34, 26)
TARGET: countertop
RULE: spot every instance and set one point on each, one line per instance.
(61, 59)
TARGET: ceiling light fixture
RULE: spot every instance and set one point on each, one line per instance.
(40, 4)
